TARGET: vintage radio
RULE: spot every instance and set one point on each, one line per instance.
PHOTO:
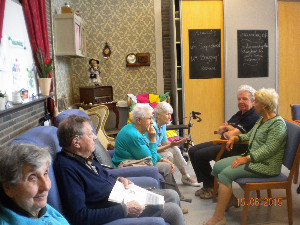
(96, 94)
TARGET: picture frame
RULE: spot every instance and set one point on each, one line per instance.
(62, 104)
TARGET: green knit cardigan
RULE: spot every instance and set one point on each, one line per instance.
(266, 146)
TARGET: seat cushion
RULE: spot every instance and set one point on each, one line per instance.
(281, 177)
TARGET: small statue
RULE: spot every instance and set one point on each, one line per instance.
(94, 71)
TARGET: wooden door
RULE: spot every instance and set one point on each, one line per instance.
(289, 55)
(203, 95)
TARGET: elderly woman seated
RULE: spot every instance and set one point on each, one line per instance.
(264, 157)
(24, 186)
(167, 149)
(131, 144)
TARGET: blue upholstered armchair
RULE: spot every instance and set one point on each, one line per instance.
(105, 157)
(45, 136)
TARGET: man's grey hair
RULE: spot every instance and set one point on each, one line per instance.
(13, 158)
(248, 88)
(162, 107)
(70, 128)
(140, 110)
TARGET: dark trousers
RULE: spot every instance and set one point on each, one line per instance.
(202, 154)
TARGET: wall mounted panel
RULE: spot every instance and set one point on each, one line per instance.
(250, 15)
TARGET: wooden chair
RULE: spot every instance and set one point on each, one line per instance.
(291, 156)
(98, 116)
(219, 155)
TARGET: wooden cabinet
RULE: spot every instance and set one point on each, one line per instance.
(69, 35)
(96, 94)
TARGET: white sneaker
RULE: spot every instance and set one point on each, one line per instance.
(185, 180)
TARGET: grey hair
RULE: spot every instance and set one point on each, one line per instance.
(69, 128)
(140, 110)
(248, 88)
(163, 107)
(13, 158)
(268, 98)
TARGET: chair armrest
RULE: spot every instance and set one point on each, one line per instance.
(145, 182)
(219, 141)
(223, 144)
(141, 171)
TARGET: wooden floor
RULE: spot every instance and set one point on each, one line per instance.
(201, 210)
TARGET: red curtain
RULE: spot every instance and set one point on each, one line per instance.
(36, 22)
(2, 6)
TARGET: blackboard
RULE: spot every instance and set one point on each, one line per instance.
(253, 53)
(205, 53)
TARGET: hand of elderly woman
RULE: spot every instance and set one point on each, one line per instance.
(178, 142)
(230, 142)
(167, 161)
(151, 133)
(239, 161)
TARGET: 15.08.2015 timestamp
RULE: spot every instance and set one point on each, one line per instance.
(260, 202)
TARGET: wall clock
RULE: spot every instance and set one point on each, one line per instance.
(106, 51)
(130, 58)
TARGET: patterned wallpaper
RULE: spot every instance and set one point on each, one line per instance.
(128, 26)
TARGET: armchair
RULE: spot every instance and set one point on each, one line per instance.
(282, 181)
(45, 136)
(295, 110)
(105, 159)
(98, 116)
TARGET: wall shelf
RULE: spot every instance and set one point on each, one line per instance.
(177, 77)
(69, 35)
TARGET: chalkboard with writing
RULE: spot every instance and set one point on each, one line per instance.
(205, 53)
(253, 54)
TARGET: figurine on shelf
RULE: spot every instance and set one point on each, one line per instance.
(94, 71)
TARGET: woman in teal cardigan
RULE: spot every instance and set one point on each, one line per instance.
(264, 157)
(24, 187)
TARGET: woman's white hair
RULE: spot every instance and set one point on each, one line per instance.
(140, 110)
(163, 107)
(248, 88)
(268, 97)
(13, 158)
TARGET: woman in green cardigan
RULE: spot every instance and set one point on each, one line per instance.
(264, 157)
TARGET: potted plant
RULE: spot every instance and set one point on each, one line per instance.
(2, 100)
(44, 67)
